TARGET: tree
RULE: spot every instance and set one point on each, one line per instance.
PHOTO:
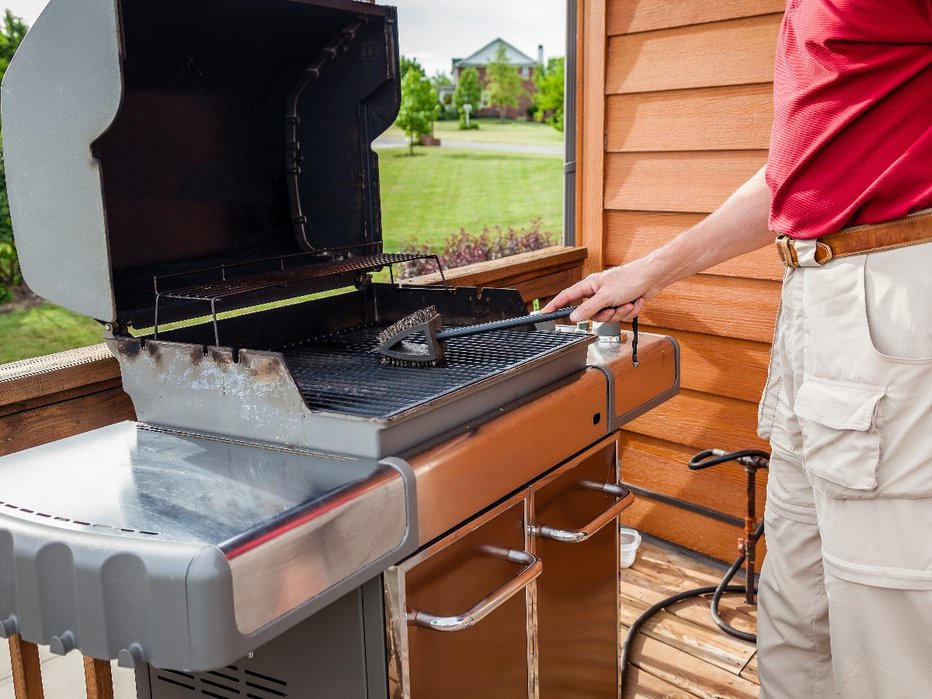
(405, 64)
(548, 102)
(503, 82)
(419, 107)
(14, 29)
(441, 79)
(468, 91)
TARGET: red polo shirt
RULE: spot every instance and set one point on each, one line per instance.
(852, 129)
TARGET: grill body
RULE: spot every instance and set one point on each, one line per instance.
(316, 385)
(218, 157)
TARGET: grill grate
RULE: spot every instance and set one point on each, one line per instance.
(223, 288)
(342, 373)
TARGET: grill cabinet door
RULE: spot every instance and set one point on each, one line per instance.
(575, 528)
(449, 585)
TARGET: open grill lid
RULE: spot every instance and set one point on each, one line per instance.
(151, 138)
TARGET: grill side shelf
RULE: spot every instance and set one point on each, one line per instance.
(227, 575)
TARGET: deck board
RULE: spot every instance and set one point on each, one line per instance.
(680, 652)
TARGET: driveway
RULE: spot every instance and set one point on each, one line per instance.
(402, 142)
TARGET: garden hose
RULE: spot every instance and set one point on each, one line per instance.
(752, 460)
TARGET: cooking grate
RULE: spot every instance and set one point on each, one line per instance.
(242, 278)
(342, 372)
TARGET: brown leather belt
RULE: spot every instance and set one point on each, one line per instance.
(857, 240)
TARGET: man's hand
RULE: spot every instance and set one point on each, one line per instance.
(615, 294)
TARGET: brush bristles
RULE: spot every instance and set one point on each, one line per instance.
(409, 321)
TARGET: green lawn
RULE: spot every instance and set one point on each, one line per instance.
(494, 131)
(43, 330)
(434, 193)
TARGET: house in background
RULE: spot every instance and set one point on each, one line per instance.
(524, 64)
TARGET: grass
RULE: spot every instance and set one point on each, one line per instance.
(48, 328)
(526, 133)
(430, 195)
(44, 329)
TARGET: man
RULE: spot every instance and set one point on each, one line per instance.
(846, 589)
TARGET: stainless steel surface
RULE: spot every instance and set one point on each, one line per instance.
(583, 533)
(130, 481)
(578, 591)
(291, 565)
(52, 112)
(140, 543)
(488, 659)
(488, 604)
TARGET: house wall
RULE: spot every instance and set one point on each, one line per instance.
(675, 108)
(524, 103)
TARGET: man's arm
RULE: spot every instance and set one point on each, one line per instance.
(736, 227)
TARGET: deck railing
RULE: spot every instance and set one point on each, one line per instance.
(63, 394)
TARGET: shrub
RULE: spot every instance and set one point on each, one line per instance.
(465, 248)
(10, 275)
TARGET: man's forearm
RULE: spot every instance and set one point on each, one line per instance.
(736, 227)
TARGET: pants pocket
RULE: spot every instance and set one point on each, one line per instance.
(840, 433)
(897, 289)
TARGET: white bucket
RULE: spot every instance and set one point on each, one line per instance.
(630, 540)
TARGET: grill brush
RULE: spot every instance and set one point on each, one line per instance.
(396, 343)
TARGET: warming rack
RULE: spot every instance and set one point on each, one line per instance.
(224, 286)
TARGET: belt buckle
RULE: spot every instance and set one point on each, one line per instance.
(787, 253)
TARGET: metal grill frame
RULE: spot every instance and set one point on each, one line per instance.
(355, 258)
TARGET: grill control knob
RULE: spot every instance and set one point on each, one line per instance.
(609, 332)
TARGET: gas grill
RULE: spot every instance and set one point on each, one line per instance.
(185, 160)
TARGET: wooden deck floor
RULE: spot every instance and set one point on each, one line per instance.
(680, 652)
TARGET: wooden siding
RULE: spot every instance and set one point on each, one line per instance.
(685, 119)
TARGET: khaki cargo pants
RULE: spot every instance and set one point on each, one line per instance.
(846, 589)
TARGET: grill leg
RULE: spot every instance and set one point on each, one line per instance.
(27, 675)
(98, 679)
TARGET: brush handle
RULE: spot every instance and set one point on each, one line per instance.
(468, 330)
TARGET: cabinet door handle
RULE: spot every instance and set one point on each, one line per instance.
(575, 536)
(460, 622)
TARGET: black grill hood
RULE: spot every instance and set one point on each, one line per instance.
(242, 129)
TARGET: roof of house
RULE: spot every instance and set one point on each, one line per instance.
(487, 53)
